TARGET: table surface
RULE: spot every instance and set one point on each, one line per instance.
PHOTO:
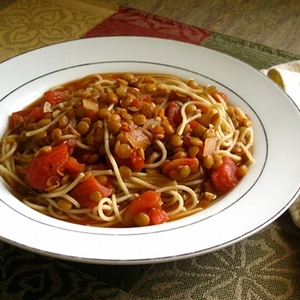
(264, 266)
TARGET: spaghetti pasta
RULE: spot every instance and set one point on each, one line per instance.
(126, 149)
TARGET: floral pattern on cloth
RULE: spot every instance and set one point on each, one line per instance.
(27, 25)
(263, 266)
(128, 21)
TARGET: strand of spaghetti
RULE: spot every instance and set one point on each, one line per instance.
(148, 185)
(116, 208)
(101, 210)
(79, 211)
(240, 113)
(236, 158)
(102, 223)
(152, 177)
(94, 216)
(10, 139)
(225, 129)
(133, 186)
(184, 188)
(180, 84)
(24, 160)
(44, 128)
(86, 80)
(220, 99)
(221, 123)
(8, 133)
(211, 99)
(246, 132)
(71, 200)
(192, 183)
(72, 210)
(168, 188)
(181, 127)
(65, 190)
(37, 207)
(163, 77)
(188, 93)
(96, 173)
(65, 137)
(227, 141)
(163, 156)
(135, 183)
(56, 215)
(186, 213)
(247, 152)
(175, 82)
(59, 189)
(184, 116)
(112, 160)
(105, 82)
(7, 140)
(221, 113)
(226, 120)
(14, 177)
(4, 147)
(27, 155)
(169, 201)
(83, 146)
(122, 198)
(180, 202)
(10, 164)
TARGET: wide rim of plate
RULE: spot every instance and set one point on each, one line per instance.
(253, 204)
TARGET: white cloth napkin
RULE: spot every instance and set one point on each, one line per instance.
(288, 77)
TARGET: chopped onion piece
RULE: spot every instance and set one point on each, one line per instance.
(209, 146)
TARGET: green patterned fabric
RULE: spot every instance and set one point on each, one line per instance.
(263, 266)
(257, 55)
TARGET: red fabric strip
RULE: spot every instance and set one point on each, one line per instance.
(132, 22)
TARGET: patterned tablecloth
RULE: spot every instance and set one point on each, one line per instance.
(264, 266)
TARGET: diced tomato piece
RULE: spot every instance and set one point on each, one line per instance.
(186, 139)
(136, 103)
(46, 165)
(194, 124)
(144, 203)
(83, 190)
(71, 145)
(92, 114)
(73, 167)
(223, 95)
(55, 96)
(125, 128)
(173, 114)
(225, 177)
(157, 216)
(136, 162)
(146, 98)
(37, 113)
(18, 118)
(192, 162)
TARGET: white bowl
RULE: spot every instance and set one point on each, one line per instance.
(264, 194)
